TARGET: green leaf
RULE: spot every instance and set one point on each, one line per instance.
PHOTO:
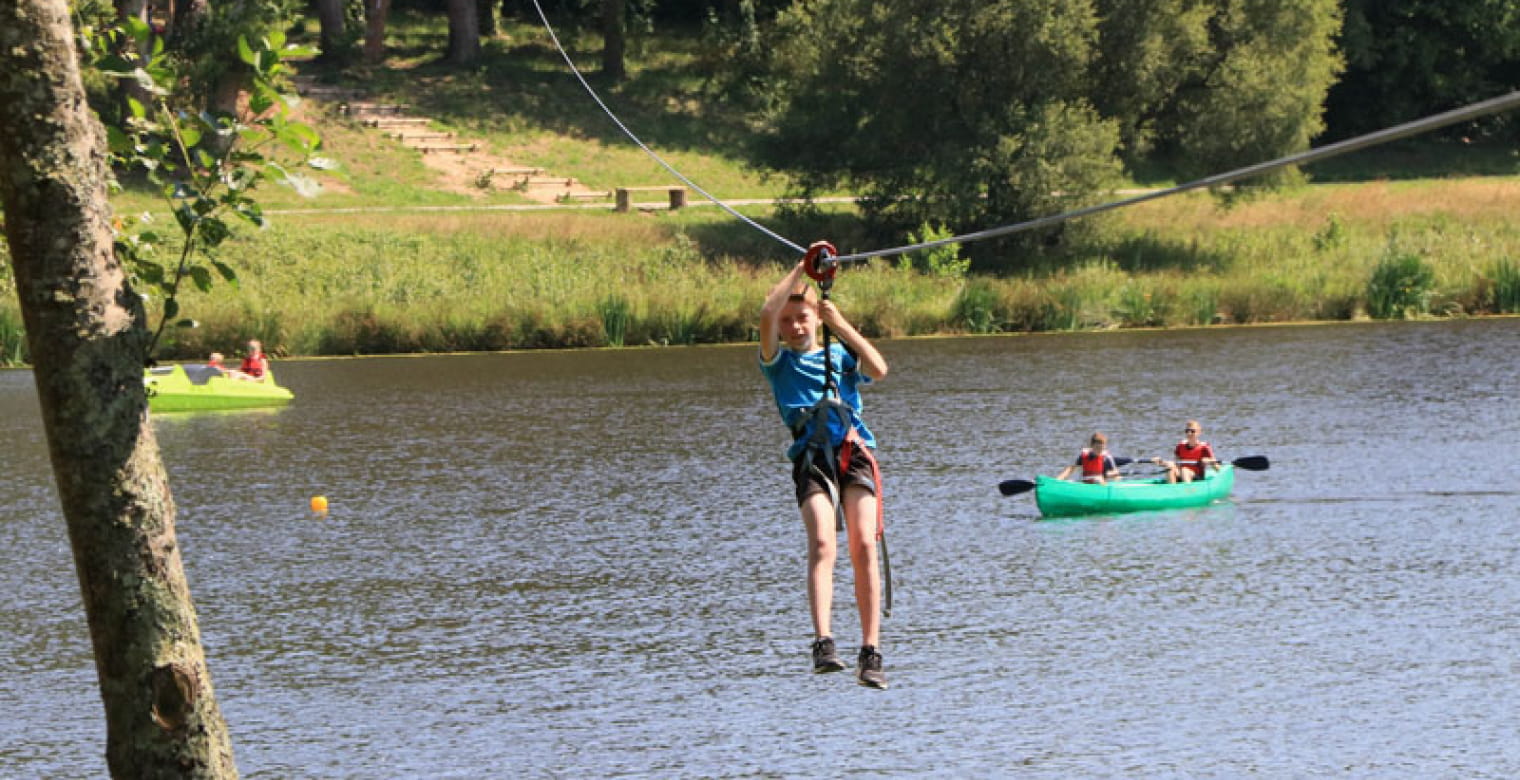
(187, 218)
(136, 107)
(201, 276)
(150, 272)
(299, 137)
(187, 323)
(190, 135)
(213, 231)
(245, 52)
(259, 101)
(115, 66)
(137, 28)
(226, 271)
(119, 142)
(171, 308)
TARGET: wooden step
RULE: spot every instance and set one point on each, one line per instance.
(566, 197)
(331, 93)
(405, 136)
(395, 121)
(519, 171)
(374, 109)
(454, 148)
(544, 182)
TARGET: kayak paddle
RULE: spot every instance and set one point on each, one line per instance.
(1013, 487)
(1248, 463)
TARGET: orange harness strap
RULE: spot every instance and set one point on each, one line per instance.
(854, 444)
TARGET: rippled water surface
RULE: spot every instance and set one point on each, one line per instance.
(588, 564)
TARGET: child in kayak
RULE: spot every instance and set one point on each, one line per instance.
(1096, 464)
(1193, 455)
(793, 361)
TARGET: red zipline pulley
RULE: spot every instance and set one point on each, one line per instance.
(819, 261)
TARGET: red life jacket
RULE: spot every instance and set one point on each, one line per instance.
(253, 365)
(1195, 454)
(1093, 464)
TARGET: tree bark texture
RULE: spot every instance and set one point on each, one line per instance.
(464, 32)
(375, 12)
(331, 21)
(613, 40)
(87, 333)
(485, 15)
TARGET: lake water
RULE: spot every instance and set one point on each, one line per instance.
(588, 564)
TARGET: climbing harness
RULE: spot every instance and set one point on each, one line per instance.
(818, 456)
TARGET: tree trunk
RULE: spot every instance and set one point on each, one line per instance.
(330, 20)
(189, 16)
(464, 32)
(486, 18)
(87, 333)
(613, 41)
(375, 12)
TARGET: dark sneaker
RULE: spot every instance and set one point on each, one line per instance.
(825, 659)
(868, 669)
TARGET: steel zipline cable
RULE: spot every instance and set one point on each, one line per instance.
(794, 246)
(1395, 133)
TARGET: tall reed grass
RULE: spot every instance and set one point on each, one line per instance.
(383, 283)
(12, 335)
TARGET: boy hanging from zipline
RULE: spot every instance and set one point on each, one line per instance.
(833, 468)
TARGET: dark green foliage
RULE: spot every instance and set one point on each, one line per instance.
(975, 309)
(1505, 283)
(1214, 86)
(962, 114)
(1411, 58)
(979, 114)
(1400, 287)
(615, 311)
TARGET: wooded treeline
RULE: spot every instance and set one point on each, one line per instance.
(958, 114)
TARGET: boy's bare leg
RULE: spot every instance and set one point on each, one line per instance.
(860, 525)
(860, 521)
(823, 548)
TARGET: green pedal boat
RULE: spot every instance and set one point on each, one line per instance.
(196, 388)
(1059, 498)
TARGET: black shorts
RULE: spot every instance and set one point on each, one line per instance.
(809, 482)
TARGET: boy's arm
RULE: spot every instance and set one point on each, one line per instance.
(872, 364)
(770, 312)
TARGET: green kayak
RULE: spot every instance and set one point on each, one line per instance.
(197, 388)
(1058, 498)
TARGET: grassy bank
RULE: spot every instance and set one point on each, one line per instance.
(391, 281)
(378, 283)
